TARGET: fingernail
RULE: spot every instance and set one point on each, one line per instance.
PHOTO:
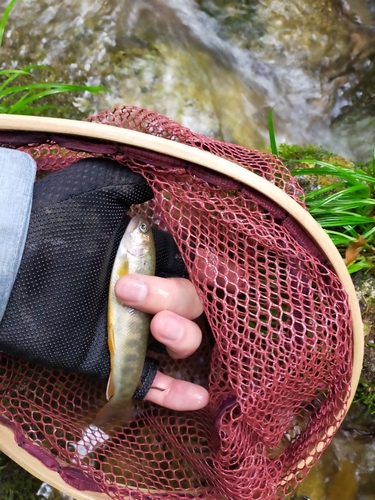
(131, 289)
(173, 329)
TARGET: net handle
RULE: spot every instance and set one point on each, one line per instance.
(217, 164)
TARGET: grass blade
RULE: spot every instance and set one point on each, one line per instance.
(317, 193)
(360, 264)
(13, 75)
(348, 198)
(4, 19)
(34, 91)
(271, 132)
(17, 99)
(14, 71)
(341, 219)
(350, 175)
(30, 97)
(339, 238)
(62, 87)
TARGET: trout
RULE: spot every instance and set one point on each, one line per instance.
(128, 328)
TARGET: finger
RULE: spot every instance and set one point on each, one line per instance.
(177, 394)
(181, 336)
(153, 294)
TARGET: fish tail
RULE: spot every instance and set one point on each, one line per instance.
(121, 411)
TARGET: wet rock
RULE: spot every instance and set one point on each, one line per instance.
(365, 287)
(15, 482)
(216, 66)
(314, 53)
(367, 491)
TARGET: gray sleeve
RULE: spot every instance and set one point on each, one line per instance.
(17, 176)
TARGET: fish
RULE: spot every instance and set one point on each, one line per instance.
(128, 328)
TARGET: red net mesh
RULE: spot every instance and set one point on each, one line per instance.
(276, 355)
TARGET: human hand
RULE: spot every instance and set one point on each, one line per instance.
(174, 304)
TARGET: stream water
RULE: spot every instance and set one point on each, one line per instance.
(218, 66)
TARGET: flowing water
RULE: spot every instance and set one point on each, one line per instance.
(218, 66)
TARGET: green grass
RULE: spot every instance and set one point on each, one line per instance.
(366, 395)
(341, 199)
(15, 482)
(20, 99)
(4, 19)
(271, 130)
(18, 89)
(344, 207)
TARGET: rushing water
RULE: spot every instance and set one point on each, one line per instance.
(218, 67)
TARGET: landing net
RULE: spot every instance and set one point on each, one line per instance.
(276, 355)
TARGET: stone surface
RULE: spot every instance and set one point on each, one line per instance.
(216, 66)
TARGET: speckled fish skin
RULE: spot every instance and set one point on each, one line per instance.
(128, 328)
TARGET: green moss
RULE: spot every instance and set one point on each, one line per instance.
(365, 395)
(15, 482)
(288, 152)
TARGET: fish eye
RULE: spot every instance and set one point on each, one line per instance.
(143, 227)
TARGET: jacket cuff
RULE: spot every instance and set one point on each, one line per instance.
(17, 176)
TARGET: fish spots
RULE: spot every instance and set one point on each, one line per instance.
(123, 268)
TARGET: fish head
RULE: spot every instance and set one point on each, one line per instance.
(138, 237)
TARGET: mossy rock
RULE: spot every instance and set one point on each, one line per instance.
(365, 285)
(15, 482)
